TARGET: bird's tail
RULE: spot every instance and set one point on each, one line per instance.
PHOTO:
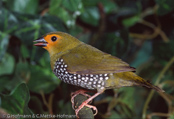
(142, 82)
(123, 79)
(149, 85)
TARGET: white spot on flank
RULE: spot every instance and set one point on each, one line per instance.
(83, 78)
(79, 80)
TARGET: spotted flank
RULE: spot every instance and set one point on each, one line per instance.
(88, 81)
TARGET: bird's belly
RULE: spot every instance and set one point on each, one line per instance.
(89, 81)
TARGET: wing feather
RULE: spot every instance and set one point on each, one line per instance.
(86, 59)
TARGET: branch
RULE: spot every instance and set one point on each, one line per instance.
(160, 76)
(149, 116)
(49, 103)
(85, 112)
(157, 29)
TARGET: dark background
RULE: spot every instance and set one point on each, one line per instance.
(140, 32)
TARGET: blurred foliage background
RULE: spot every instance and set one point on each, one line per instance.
(141, 32)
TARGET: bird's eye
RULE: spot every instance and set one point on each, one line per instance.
(54, 38)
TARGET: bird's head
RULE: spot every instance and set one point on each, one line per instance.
(56, 42)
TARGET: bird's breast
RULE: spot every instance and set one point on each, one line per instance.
(89, 81)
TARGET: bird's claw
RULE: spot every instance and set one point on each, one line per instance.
(74, 94)
(87, 105)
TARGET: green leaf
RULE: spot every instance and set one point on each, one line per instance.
(42, 80)
(4, 80)
(91, 14)
(127, 95)
(171, 116)
(109, 6)
(24, 51)
(67, 107)
(67, 10)
(8, 22)
(72, 5)
(37, 105)
(23, 6)
(63, 14)
(17, 101)
(163, 51)
(21, 75)
(4, 40)
(89, 3)
(165, 6)
(13, 82)
(52, 23)
(131, 21)
(54, 4)
(22, 70)
(115, 115)
(7, 64)
(143, 55)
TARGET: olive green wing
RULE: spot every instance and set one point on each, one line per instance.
(86, 59)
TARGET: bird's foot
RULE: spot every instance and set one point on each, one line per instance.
(74, 94)
(87, 105)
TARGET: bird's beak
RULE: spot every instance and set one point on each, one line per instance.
(40, 42)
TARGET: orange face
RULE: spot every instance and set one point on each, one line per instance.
(48, 41)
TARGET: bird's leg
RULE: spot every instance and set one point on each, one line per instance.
(85, 103)
(74, 94)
